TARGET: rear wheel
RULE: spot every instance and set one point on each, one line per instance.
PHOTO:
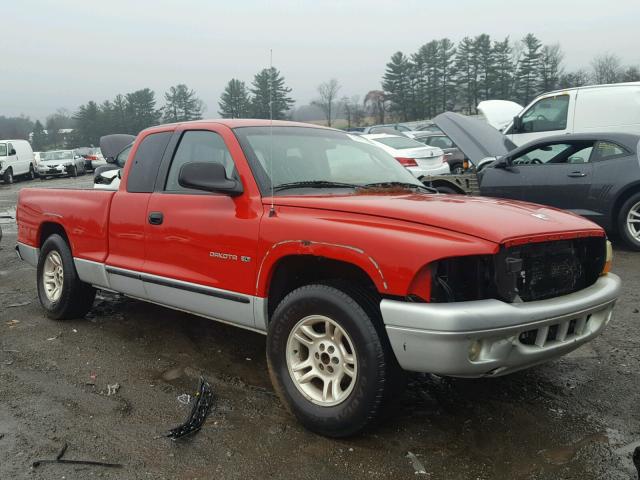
(32, 173)
(457, 169)
(327, 360)
(62, 294)
(7, 178)
(73, 172)
(629, 222)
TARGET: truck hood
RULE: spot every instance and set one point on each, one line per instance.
(477, 139)
(112, 145)
(499, 113)
(496, 220)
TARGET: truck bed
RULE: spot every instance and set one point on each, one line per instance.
(84, 214)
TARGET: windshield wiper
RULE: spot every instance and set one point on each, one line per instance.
(399, 184)
(314, 184)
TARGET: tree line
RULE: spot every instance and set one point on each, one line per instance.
(442, 76)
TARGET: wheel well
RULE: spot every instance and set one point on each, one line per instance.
(49, 228)
(297, 270)
(623, 197)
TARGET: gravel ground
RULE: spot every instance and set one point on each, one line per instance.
(575, 418)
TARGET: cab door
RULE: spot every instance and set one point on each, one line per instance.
(201, 246)
(557, 174)
(551, 115)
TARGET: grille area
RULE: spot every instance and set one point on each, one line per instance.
(551, 269)
(560, 332)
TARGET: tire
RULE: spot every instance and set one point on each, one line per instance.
(360, 396)
(32, 174)
(74, 297)
(7, 178)
(629, 222)
(42, 178)
(74, 171)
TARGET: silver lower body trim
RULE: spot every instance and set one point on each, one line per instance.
(489, 337)
(28, 253)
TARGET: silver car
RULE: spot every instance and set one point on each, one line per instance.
(56, 163)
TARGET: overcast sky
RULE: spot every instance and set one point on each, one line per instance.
(64, 53)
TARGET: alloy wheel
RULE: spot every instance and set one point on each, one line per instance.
(53, 276)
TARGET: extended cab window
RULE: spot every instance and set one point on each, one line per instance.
(546, 115)
(144, 169)
(199, 146)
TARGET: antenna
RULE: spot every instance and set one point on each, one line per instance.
(272, 210)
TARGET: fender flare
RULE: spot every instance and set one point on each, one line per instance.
(344, 253)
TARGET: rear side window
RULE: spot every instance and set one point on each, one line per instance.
(199, 146)
(607, 150)
(144, 168)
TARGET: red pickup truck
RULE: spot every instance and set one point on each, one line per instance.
(352, 268)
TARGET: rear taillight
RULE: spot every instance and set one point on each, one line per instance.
(91, 157)
(407, 162)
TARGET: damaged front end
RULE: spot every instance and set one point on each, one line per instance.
(520, 273)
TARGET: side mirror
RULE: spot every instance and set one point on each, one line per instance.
(517, 124)
(210, 177)
(12, 151)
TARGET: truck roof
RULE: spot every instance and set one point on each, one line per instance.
(240, 122)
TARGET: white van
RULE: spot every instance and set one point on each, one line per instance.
(596, 108)
(16, 158)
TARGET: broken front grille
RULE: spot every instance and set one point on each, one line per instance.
(563, 331)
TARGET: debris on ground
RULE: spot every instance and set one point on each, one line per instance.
(112, 389)
(59, 459)
(21, 304)
(636, 459)
(184, 399)
(12, 323)
(199, 412)
(418, 467)
(58, 335)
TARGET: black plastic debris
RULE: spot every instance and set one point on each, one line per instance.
(199, 412)
(59, 459)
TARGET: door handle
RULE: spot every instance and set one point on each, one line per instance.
(576, 174)
(156, 218)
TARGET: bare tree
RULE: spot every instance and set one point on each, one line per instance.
(328, 92)
(375, 102)
(606, 68)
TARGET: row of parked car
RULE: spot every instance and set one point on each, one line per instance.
(17, 159)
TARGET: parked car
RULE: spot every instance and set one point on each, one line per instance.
(117, 148)
(16, 159)
(596, 175)
(452, 154)
(593, 108)
(57, 163)
(351, 267)
(421, 160)
(92, 158)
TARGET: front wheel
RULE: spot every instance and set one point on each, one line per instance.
(629, 222)
(61, 292)
(327, 361)
(73, 172)
(7, 178)
(32, 174)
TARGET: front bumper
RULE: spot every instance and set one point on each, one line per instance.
(490, 337)
(51, 171)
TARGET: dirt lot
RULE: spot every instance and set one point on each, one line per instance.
(578, 417)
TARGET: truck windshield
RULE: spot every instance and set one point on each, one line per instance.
(319, 157)
(56, 155)
(3, 149)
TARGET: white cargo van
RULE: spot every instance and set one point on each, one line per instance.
(597, 108)
(16, 158)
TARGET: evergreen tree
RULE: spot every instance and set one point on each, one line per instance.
(267, 85)
(87, 131)
(396, 83)
(427, 81)
(466, 79)
(141, 110)
(446, 70)
(182, 104)
(502, 70)
(234, 101)
(484, 62)
(528, 72)
(39, 138)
